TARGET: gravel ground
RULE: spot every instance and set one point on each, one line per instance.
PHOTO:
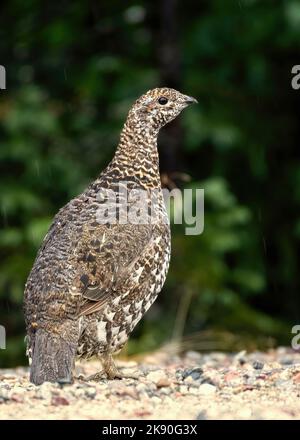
(195, 386)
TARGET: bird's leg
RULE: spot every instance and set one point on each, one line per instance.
(111, 370)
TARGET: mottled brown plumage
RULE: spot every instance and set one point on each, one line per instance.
(92, 282)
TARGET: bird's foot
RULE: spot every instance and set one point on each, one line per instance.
(112, 372)
(96, 377)
(117, 374)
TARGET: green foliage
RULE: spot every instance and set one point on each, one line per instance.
(73, 69)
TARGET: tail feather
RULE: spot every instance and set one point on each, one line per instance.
(52, 359)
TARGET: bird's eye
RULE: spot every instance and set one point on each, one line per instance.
(162, 100)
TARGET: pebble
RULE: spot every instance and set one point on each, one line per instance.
(18, 398)
(257, 365)
(44, 391)
(155, 400)
(79, 393)
(296, 377)
(126, 391)
(189, 380)
(141, 387)
(4, 394)
(163, 382)
(201, 416)
(256, 385)
(183, 389)
(194, 373)
(91, 392)
(158, 376)
(283, 383)
(59, 400)
(193, 391)
(286, 361)
(193, 356)
(232, 378)
(166, 391)
(207, 389)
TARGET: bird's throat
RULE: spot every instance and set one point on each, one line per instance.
(137, 155)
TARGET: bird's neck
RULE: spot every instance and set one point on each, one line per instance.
(136, 157)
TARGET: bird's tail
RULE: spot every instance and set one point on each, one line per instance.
(52, 358)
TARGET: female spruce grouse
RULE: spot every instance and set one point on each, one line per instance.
(96, 274)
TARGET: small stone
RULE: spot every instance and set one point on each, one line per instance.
(15, 397)
(4, 395)
(18, 389)
(44, 391)
(257, 365)
(7, 377)
(157, 377)
(183, 390)
(283, 383)
(296, 377)
(155, 399)
(206, 389)
(194, 373)
(127, 391)
(286, 361)
(232, 378)
(179, 374)
(90, 392)
(193, 391)
(141, 387)
(165, 391)
(274, 366)
(201, 416)
(79, 393)
(163, 382)
(193, 356)
(59, 400)
(189, 380)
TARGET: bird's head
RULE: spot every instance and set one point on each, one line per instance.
(160, 106)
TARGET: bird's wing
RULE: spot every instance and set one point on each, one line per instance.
(107, 261)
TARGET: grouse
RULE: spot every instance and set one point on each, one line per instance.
(105, 258)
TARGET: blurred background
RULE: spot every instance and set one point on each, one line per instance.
(73, 70)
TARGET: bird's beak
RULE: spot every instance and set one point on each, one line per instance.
(190, 100)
